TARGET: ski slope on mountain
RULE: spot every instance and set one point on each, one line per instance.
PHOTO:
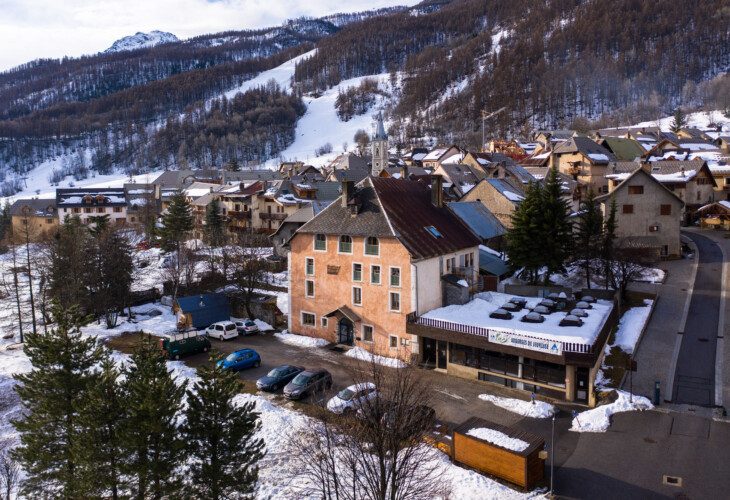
(282, 75)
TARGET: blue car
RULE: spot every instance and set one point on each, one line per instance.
(245, 358)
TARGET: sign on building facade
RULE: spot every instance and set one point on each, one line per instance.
(523, 342)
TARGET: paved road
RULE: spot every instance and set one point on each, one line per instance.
(694, 381)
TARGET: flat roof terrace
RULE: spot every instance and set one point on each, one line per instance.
(471, 324)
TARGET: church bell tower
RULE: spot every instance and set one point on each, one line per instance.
(380, 148)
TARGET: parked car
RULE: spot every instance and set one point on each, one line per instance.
(373, 411)
(246, 326)
(223, 330)
(183, 342)
(278, 377)
(353, 398)
(237, 361)
(307, 382)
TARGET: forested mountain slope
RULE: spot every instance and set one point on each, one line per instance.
(546, 63)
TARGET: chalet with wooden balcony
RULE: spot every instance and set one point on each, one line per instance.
(584, 160)
(87, 203)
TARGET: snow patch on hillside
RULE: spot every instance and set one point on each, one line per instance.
(700, 119)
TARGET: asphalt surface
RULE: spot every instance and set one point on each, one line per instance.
(694, 381)
(628, 461)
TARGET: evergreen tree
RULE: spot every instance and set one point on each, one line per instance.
(50, 394)
(679, 121)
(99, 448)
(99, 224)
(6, 221)
(234, 165)
(214, 229)
(588, 236)
(220, 436)
(524, 245)
(68, 264)
(556, 230)
(114, 278)
(609, 238)
(150, 435)
(176, 223)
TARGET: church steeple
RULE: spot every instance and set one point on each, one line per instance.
(380, 148)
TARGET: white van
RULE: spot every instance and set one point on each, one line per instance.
(223, 330)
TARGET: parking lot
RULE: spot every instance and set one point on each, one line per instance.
(454, 399)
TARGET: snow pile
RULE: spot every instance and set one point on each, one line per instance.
(300, 340)
(599, 419)
(363, 355)
(598, 157)
(155, 319)
(498, 438)
(538, 410)
(631, 325)
(263, 325)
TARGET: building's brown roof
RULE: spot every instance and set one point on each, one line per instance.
(588, 147)
(400, 209)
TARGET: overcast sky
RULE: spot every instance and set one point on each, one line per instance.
(32, 29)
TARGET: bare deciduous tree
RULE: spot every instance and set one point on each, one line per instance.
(381, 453)
(249, 265)
(9, 470)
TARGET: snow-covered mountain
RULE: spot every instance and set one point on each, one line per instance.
(141, 40)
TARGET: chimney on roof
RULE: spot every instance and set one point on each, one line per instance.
(437, 191)
(348, 188)
(264, 185)
(404, 172)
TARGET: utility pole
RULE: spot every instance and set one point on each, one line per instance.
(552, 453)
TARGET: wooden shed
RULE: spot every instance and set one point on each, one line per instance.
(523, 468)
(201, 311)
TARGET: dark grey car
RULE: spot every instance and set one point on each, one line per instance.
(307, 382)
(278, 377)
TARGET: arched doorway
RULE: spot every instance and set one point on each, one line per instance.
(344, 332)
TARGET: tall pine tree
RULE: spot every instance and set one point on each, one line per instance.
(588, 236)
(220, 436)
(524, 245)
(556, 230)
(679, 120)
(214, 229)
(100, 448)
(51, 393)
(176, 223)
(150, 434)
(609, 238)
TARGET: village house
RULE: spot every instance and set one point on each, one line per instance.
(584, 160)
(436, 156)
(647, 212)
(721, 174)
(624, 149)
(87, 202)
(458, 179)
(240, 207)
(34, 219)
(691, 181)
(384, 249)
(143, 201)
(715, 215)
(499, 196)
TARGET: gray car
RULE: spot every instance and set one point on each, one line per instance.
(307, 382)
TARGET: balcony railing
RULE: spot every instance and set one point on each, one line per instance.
(272, 216)
(238, 214)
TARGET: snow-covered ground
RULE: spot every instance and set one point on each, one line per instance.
(599, 418)
(300, 340)
(538, 409)
(700, 119)
(630, 327)
(321, 125)
(363, 355)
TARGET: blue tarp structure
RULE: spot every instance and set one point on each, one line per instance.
(205, 309)
(491, 264)
(479, 219)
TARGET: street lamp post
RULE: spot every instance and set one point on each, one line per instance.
(552, 454)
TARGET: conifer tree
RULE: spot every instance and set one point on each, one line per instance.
(220, 436)
(556, 230)
(99, 448)
(176, 223)
(62, 360)
(214, 228)
(679, 121)
(609, 237)
(150, 435)
(588, 236)
(524, 245)
(6, 220)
